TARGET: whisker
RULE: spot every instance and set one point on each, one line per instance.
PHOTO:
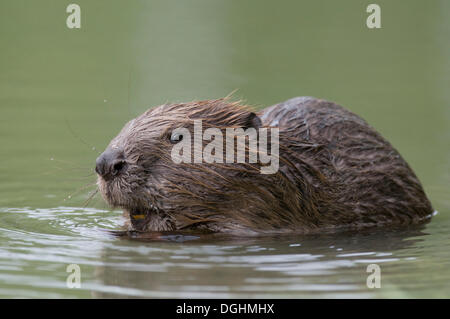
(91, 196)
(74, 164)
(80, 189)
(56, 169)
(78, 137)
(81, 178)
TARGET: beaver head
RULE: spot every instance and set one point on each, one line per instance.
(137, 173)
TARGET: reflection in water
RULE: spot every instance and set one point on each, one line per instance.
(33, 264)
(330, 265)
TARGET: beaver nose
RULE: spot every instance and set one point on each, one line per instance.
(110, 163)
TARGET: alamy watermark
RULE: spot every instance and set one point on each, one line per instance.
(374, 279)
(74, 279)
(73, 21)
(256, 151)
(373, 21)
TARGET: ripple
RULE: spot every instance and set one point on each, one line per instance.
(36, 245)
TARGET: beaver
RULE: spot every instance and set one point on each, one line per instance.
(335, 172)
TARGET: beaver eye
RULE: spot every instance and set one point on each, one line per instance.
(176, 137)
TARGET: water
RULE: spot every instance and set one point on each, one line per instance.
(65, 93)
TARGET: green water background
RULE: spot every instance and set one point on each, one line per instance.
(64, 93)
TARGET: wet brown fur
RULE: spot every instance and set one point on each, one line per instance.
(336, 172)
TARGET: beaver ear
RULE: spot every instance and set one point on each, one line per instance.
(252, 120)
